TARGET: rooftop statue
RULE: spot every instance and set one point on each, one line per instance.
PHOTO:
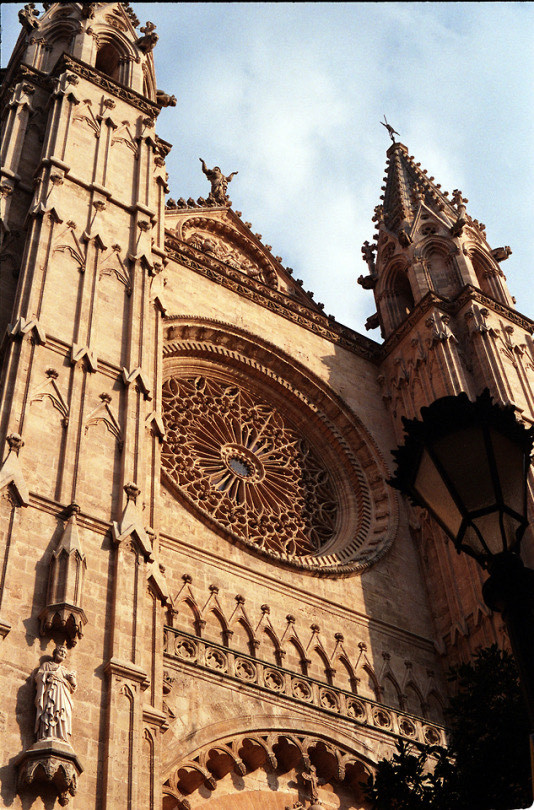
(219, 184)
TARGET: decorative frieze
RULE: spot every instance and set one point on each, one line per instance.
(194, 652)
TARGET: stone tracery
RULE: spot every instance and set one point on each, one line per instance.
(352, 469)
(236, 455)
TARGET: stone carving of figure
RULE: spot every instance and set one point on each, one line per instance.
(313, 779)
(164, 99)
(53, 701)
(28, 17)
(219, 183)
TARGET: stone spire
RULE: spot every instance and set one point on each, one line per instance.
(426, 243)
(406, 186)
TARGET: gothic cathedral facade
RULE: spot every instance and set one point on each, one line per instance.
(209, 593)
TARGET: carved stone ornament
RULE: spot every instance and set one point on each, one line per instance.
(225, 244)
(51, 759)
(262, 462)
(52, 763)
(237, 455)
(63, 610)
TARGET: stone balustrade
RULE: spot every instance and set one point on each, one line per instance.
(237, 666)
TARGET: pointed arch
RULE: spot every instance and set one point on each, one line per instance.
(369, 685)
(194, 618)
(296, 657)
(59, 36)
(114, 54)
(216, 627)
(489, 275)
(395, 296)
(439, 255)
(243, 638)
(435, 707)
(272, 651)
(345, 675)
(413, 699)
(319, 667)
(390, 691)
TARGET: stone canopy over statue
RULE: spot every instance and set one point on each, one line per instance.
(53, 701)
(219, 184)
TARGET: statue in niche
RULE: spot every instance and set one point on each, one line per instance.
(219, 183)
(55, 685)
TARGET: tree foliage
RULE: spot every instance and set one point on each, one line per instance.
(486, 765)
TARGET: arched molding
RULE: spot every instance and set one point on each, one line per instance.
(240, 624)
(266, 727)
(395, 294)
(414, 687)
(346, 664)
(185, 229)
(304, 662)
(226, 632)
(105, 35)
(277, 746)
(369, 671)
(194, 611)
(279, 652)
(149, 78)
(487, 274)
(439, 255)
(390, 678)
(367, 519)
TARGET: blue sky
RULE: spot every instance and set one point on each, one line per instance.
(291, 95)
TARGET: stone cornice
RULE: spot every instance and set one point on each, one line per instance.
(85, 71)
(25, 72)
(274, 300)
(431, 300)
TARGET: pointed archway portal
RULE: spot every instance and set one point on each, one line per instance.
(268, 771)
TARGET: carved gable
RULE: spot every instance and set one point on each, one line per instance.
(221, 235)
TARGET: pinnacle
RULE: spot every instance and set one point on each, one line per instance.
(406, 185)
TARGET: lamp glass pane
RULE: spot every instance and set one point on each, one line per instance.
(472, 541)
(465, 460)
(490, 529)
(430, 487)
(509, 457)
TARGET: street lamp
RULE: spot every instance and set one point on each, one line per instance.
(467, 463)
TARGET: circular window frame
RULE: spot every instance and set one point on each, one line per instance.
(368, 509)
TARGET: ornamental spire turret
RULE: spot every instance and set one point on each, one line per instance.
(426, 243)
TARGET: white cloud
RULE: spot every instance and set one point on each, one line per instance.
(291, 94)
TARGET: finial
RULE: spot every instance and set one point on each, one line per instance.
(392, 132)
(132, 491)
(15, 442)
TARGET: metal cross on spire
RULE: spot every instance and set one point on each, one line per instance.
(392, 132)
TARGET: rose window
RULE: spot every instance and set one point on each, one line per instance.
(238, 459)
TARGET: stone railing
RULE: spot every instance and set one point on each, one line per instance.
(215, 658)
